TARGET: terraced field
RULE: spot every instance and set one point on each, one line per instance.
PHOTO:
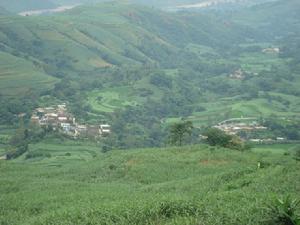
(110, 99)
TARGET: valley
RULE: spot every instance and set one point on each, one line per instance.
(120, 113)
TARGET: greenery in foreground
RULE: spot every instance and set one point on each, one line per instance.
(77, 184)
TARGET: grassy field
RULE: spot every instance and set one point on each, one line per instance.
(188, 185)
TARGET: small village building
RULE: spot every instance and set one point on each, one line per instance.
(271, 50)
(58, 118)
(281, 139)
(66, 127)
(62, 119)
(238, 75)
(105, 129)
(35, 119)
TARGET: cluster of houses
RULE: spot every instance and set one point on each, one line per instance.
(233, 127)
(58, 118)
(237, 75)
(271, 50)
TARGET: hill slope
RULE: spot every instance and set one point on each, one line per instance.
(188, 185)
(144, 68)
(89, 38)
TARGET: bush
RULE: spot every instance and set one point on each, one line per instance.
(32, 155)
(283, 212)
(170, 209)
(297, 153)
(217, 137)
(15, 153)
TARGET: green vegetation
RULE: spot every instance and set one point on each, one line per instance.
(141, 69)
(78, 184)
(283, 211)
(216, 137)
(179, 132)
(146, 73)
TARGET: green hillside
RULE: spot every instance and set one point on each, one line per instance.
(98, 37)
(19, 76)
(143, 68)
(158, 79)
(73, 183)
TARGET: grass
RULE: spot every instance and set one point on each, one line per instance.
(275, 148)
(188, 185)
(110, 99)
(19, 76)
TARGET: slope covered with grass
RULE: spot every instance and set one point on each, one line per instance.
(77, 184)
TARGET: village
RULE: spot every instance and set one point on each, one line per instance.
(59, 119)
(235, 125)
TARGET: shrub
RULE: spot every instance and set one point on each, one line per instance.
(220, 138)
(283, 212)
(297, 153)
(32, 155)
(15, 153)
(170, 209)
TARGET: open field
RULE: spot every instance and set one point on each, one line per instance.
(188, 185)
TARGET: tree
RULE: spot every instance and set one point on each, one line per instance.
(178, 132)
(217, 137)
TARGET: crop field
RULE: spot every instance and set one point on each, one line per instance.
(108, 100)
(258, 62)
(188, 185)
(230, 108)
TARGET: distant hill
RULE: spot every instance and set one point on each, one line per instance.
(88, 38)
(16, 6)
(169, 3)
(272, 19)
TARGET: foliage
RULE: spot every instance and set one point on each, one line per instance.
(179, 132)
(297, 153)
(186, 185)
(217, 137)
(17, 151)
(32, 155)
(283, 212)
(154, 68)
